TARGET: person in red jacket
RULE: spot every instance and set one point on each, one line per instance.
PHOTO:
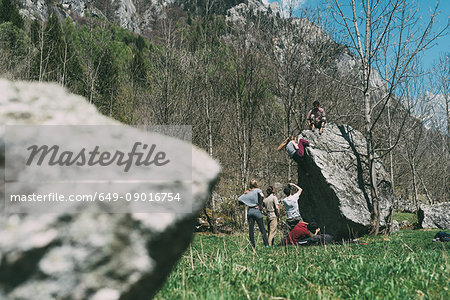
(301, 231)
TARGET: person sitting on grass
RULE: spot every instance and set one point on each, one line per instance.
(307, 234)
(252, 198)
(316, 117)
(317, 238)
(302, 231)
(291, 204)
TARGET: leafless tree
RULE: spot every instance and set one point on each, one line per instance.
(208, 91)
(440, 83)
(247, 90)
(373, 28)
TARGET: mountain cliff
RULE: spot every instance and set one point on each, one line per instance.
(133, 15)
(138, 16)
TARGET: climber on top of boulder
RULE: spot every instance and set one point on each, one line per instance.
(316, 117)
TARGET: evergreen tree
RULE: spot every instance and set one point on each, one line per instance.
(107, 80)
(10, 13)
(13, 46)
(140, 43)
(137, 68)
(35, 31)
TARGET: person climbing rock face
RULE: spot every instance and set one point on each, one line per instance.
(294, 150)
(316, 118)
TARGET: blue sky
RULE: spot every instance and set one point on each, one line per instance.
(430, 57)
(441, 46)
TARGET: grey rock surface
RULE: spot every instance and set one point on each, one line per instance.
(89, 255)
(435, 216)
(239, 12)
(395, 226)
(333, 177)
(405, 206)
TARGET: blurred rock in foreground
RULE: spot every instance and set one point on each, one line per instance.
(89, 255)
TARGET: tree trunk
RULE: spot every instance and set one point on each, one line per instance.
(391, 153)
(375, 213)
(414, 184)
(427, 193)
(210, 152)
(41, 53)
(63, 79)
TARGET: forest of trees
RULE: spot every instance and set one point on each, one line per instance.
(243, 86)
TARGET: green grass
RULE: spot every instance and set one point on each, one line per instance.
(401, 216)
(405, 265)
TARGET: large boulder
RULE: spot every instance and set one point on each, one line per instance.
(434, 216)
(404, 205)
(334, 179)
(90, 254)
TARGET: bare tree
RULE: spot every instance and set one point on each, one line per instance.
(247, 89)
(290, 8)
(41, 51)
(374, 28)
(440, 121)
(289, 67)
(440, 83)
(208, 92)
(413, 143)
(168, 76)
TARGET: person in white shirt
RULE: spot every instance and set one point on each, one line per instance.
(291, 204)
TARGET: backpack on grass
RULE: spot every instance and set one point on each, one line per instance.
(442, 237)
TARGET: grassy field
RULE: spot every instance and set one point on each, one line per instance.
(405, 265)
(411, 218)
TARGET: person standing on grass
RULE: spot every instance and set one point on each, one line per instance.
(291, 204)
(252, 198)
(273, 213)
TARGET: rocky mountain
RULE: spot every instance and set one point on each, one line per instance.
(137, 15)
(238, 12)
(133, 15)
